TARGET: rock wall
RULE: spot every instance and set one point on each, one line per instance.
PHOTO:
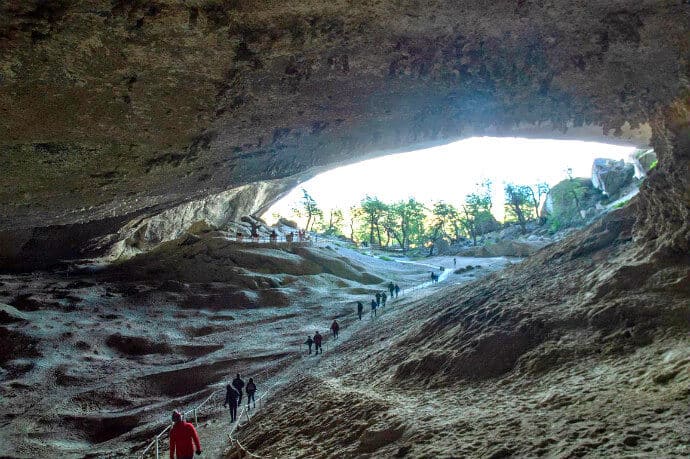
(114, 108)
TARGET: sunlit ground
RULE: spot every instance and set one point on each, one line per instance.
(449, 172)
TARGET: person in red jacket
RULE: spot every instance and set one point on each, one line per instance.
(183, 438)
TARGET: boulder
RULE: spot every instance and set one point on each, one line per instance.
(647, 159)
(567, 199)
(611, 176)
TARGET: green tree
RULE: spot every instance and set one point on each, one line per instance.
(308, 208)
(406, 222)
(332, 222)
(445, 224)
(520, 203)
(477, 217)
(372, 211)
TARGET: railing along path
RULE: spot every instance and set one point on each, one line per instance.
(239, 447)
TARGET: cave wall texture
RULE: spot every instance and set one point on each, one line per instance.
(110, 110)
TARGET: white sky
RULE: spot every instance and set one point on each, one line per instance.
(449, 172)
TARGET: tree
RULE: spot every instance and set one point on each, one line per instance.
(542, 191)
(308, 208)
(520, 202)
(406, 222)
(445, 223)
(332, 224)
(353, 216)
(477, 210)
(372, 212)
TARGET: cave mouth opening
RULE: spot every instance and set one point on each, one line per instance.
(449, 172)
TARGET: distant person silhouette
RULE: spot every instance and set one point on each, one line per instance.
(383, 298)
(238, 384)
(309, 343)
(335, 328)
(251, 390)
(373, 308)
(455, 262)
(360, 308)
(378, 299)
(397, 290)
(317, 343)
(391, 289)
(183, 438)
(231, 399)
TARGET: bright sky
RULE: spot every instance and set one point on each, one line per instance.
(449, 172)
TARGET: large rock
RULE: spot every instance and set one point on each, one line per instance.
(647, 159)
(569, 201)
(611, 176)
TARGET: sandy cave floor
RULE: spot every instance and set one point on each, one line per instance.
(81, 387)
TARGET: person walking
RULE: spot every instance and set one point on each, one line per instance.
(391, 288)
(183, 438)
(231, 399)
(397, 290)
(373, 308)
(384, 297)
(309, 342)
(455, 262)
(238, 384)
(360, 308)
(317, 343)
(251, 390)
(335, 328)
(378, 299)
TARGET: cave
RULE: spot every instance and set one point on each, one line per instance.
(131, 129)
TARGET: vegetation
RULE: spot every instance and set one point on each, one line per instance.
(410, 225)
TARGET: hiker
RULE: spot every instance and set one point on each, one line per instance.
(273, 237)
(335, 328)
(391, 288)
(455, 262)
(373, 308)
(309, 342)
(290, 237)
(317, 343)
(251, 390)
(360, 308)
(397, 290)
(231, 399)
(384, 297)
(238, 384)
(255, 236)
(378, 299)
(183, 438)
(239, 236)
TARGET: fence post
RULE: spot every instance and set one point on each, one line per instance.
(196, 422)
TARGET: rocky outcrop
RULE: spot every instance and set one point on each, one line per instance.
(568, 202)
(118, 108)
(610, 176)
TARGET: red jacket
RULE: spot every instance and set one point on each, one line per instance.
(183, 437)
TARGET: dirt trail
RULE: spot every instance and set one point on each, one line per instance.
(369, 332)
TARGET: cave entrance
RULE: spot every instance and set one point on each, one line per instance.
(452, 172)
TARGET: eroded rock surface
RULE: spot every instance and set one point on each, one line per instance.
(111, 109)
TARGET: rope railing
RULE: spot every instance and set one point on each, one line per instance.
(233, 440)
(195, 411)
(243, 411)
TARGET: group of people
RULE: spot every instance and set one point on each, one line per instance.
(379, 300)
(233, 395)
(184, 439)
